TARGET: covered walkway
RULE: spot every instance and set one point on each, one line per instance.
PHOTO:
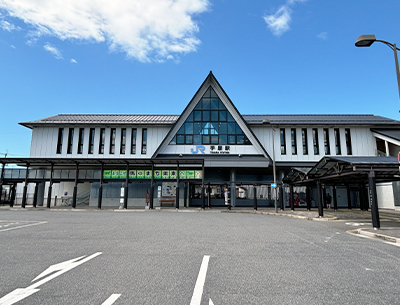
(349, 170)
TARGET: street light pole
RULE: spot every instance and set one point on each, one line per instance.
(368, 40)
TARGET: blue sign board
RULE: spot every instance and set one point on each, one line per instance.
(273, 185)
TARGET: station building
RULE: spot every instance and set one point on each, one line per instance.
(198, 157)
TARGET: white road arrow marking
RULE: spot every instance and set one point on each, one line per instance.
(22, 293)
(111, 299)
(201, 278)
(57, 267)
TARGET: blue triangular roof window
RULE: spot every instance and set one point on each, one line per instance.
(210, 123)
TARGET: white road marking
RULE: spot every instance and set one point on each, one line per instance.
(23, 226)
(211, 302)
(111, 299)
(22, 293)
(201, 278)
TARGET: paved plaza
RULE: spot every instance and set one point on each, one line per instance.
(192, 257)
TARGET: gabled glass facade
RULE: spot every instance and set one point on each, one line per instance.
(210, 123)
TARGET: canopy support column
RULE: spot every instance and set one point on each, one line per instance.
(374, 200)
(320, 204)
(255, 197)
(151, 203)
(99, 199)
(75, 186)
(25, 187)
(291, 198)
(126, 188)
(50, 186)
(177, 187)
(203, 198)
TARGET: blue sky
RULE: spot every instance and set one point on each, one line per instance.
(150, 57)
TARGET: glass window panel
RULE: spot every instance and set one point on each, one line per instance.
(230, 118)
(205, 128)
(222, 116)
(223, 128)
(173, 141)
(240, 139)
(180, 139)
(197, 139)
(223, 139)
(214, 116)
(212, 92)
(197, 116)
(214, 104)
(190, 118)
(189, 139)
(188, 128)
(197, 128)
(206, 139)
(214, 128)
(221, 105)
(231, 139)
(238, 130)
(214, 139)
(246, 141)
(198, 106)
(206, 104)
(206, 116)
(231, 128)
(181, 130)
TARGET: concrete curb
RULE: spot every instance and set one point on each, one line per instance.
(325, 218)
(377, 235)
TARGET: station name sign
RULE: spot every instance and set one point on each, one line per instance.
(213, 149)
(148, 174)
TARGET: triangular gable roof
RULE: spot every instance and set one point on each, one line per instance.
(212, 81)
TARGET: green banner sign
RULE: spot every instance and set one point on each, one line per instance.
(147, 174)
(158, 174)
(107, 174)
(165, 174)
(115, 174)
(190, 174)
(122, 174)
(132, 174)
(182, 174)
(140, 174)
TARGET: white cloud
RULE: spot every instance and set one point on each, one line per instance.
(73, 61)
(53, 50)
(323, 35)
(144, 30)
(7, 26)
(279, 22)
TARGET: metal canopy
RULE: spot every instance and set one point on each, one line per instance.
(35, 162)
(346, 170)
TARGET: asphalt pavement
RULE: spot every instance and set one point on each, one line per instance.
(190, 256)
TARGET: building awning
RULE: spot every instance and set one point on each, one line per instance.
(390, 135)
(346, 170)
(37, 162)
